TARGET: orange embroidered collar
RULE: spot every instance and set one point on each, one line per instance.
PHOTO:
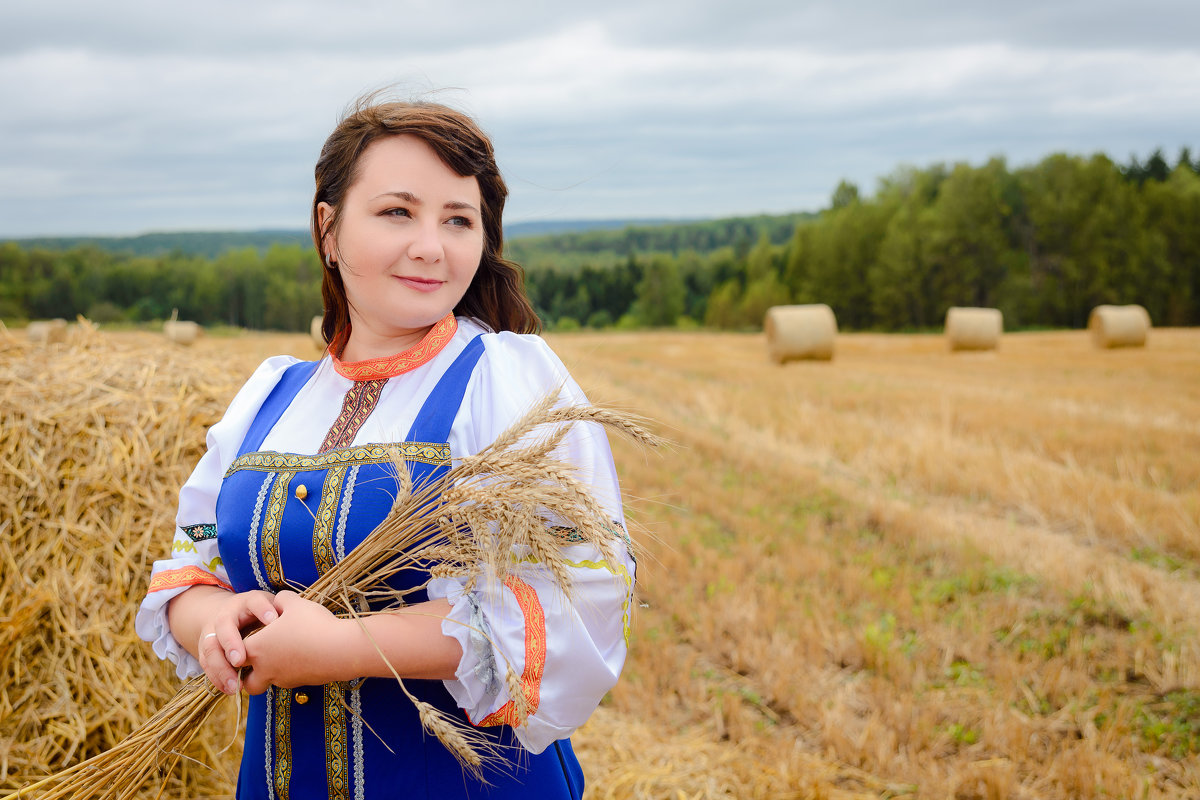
(391, 366)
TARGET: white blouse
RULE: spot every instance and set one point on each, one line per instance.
(565, 672)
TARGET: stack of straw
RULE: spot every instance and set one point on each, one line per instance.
(489, 506)
(95, 439)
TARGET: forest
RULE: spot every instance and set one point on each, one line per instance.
(1044, 243)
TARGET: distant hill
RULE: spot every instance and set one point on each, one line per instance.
(208, 244)
(212, 243)
(592, 237)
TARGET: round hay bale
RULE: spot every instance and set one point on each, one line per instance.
(1119, 326)
(52, 331)
(182, 332)
(974, 328)
(796, 333)
(314, 330)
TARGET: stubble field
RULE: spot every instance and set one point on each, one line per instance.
(905, 573)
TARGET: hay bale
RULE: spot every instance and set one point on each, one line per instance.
(182, 332)
(314, 330)
(1119, 326)
(796, 333)
(96, 446)
(52, 331)
(974, 328)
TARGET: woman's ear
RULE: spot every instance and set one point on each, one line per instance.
(328, 237)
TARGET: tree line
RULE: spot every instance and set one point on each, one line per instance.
(1044, 243)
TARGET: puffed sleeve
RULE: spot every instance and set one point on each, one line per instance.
(566, 652)
(194, 557)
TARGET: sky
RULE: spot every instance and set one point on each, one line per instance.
(135, 116)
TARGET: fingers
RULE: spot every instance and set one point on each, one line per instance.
(253, 684)
(216, 663)
(222, 649)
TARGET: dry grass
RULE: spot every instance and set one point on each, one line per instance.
(964, 575)
(904, 573)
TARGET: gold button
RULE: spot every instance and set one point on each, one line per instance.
(301, 698)
(301, 492)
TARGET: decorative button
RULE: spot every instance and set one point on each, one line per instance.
(301, 492)
(301, 698)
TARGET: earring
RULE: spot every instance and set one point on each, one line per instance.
(329, 262)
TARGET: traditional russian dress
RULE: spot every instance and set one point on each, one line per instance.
(300, 470)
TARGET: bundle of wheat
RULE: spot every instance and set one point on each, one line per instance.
(974, 328)
(1119, 326)
(800, 332)
(518, 480)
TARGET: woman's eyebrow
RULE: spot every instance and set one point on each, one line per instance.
(409, 197)
(406, 196)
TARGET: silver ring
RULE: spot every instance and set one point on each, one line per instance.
(208, 635)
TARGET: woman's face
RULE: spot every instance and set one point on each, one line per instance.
(409, 239)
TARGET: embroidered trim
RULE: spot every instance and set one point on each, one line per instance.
(427, 452)
(269, 728)
(185, 576)
(181, 545)
(270, 532)
(254, 530)
(336, 768)
(390, 366)
(535, 655)
(283, 743)
(339, 547)
(573, 535)
(357, 405)
(357, 734)
(323, 552)
(200, 533)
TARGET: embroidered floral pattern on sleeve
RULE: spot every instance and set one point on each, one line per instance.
(200, 533)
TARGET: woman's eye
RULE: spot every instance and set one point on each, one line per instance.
(461, 222)
(397, 212)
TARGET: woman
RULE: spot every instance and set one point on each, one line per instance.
(431, 341)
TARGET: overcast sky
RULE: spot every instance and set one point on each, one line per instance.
(124, 117)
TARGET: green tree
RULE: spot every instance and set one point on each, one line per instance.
(969, 243)
(661, 293)
(724, 306)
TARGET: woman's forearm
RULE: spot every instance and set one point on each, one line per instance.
(410, 640)
(188, 612)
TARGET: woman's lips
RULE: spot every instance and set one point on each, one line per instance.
(419, 284)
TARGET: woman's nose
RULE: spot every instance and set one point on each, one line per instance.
(426, 244)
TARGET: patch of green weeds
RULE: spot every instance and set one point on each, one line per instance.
(722, 586)
(1159, 560)
(1172, 724)
(960, 734)
(988, 578)
(882, 577)
(882, 636)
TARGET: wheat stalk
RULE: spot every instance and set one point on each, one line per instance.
(467, 523)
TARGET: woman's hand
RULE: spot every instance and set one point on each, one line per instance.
(306, 646)
(221, 646)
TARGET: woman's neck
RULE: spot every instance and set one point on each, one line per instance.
(365, 344)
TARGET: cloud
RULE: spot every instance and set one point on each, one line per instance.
(132, 116)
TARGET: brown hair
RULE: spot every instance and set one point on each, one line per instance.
(496, 295)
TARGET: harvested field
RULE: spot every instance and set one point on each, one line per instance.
(905, 573)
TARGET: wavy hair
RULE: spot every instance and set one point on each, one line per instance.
(496, 295)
